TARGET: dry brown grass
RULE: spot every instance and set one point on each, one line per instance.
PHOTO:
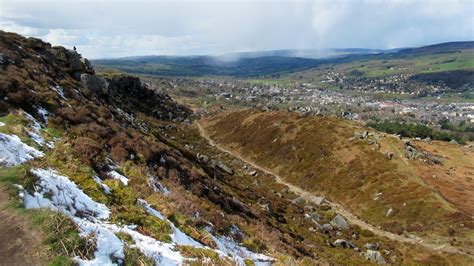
(315, 153)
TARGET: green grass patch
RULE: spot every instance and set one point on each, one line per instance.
(62, 238)
(199, 253)
(133, 256)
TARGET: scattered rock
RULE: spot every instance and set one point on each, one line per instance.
(339, 222)
(253, 173)
(344, 244)
(202, 158)
(389, 212)
(389, 155)
(221, 166)
(375, 256)
(327, 228)
(315, 217)
(410, 151)
(372, 246)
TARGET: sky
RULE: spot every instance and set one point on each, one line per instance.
(107, 29)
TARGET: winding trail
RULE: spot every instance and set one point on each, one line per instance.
(337, 207)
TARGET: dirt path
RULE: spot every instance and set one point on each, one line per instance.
(348, 215)
(19, 245)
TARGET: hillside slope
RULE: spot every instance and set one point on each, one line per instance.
(321, 155)
(92, 148)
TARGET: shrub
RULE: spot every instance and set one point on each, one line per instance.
(86, 149)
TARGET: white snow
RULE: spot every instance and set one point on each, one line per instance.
(101, 184)
(178, 237)
(59, 91)
(57, 192)
(115, 175)
(2, 124)
(35, 133)
(157, 186)
(108, 244)
(14, 152)
(63, 195)
(230, 248)
(44, 113)
(90, 217)
(161, 253)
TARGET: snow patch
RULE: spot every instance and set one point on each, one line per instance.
(44, 113)
(101, 184)
(35, 133)
(90, 217)
(63, 195)
(59, 91)
(178, 237)
(161, 253)
(14, 152)
(58, 193)
(157, 186)
(115, 175)
(230, 248)
(2, 124)
(108, 244)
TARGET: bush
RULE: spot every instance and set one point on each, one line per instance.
(416, 130)
(86, 149)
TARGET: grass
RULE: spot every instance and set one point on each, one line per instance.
(200, 254)
(133, 257)
(62, 237)
(320, 158)
(62, 240)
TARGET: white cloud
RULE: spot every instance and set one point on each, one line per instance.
(108, 28)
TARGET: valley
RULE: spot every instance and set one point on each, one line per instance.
(273, 160)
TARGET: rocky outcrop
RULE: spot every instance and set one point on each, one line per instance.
(411, 152)
(94, 83)
(214, 163)
(130, 94)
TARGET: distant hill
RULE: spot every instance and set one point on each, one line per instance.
(207, 65)
(449, 47)
(264, 63)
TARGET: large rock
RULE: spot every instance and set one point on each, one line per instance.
(375, 256)
(344, 244)
(95, 83)
(339, 222)
(75, 62)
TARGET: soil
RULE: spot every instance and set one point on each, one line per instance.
(19, 243)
